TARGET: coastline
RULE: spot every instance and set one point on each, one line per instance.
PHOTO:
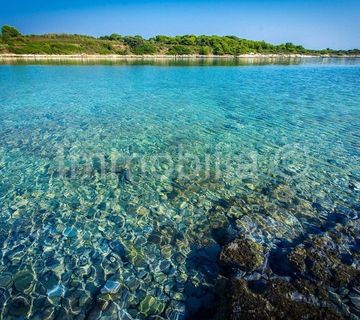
(112, 57)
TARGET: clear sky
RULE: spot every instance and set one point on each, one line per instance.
(313, 23)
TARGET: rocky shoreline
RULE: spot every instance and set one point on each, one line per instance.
(11, 56)
(317, 279)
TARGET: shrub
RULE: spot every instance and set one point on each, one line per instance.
(144, 48)
(8, 32)
(179, 49)
(206, 50)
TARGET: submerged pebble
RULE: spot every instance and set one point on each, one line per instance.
(56, 291)
(70, 232)
(151, 306)
(5, 280)
(179, 201)
(111, 286)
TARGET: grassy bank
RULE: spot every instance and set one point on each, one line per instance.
(13, 42)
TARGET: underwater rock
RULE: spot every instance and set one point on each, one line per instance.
(23, 281)
(296, 257)
(132, 283)
(316, 287)
(154, 238)
(111, 286)
(49, 280)
(16, 254)
(321, 258)
(244, 253)
(117, 247)
(123, 315)
(70, 232)
(334, 297)
(176, 311)
(53, 264)
(56, 291)
(166, 251)
(276, 302)
(164, 265)
(355, 299)
(151, 306)
(140, 241)
(19, 307)
(5, 280)
(142, 211)
(103, 300)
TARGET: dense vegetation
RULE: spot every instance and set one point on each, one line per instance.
(12, 41)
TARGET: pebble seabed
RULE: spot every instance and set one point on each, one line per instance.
(113, 241)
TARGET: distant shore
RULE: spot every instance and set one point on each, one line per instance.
(11, 56)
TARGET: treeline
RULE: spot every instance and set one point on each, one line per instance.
(12, 41)
(204, 45)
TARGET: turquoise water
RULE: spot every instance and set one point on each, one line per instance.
(116, 181)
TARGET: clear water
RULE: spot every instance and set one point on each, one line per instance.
(114, 180)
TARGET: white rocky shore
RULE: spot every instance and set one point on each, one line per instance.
(11, 56)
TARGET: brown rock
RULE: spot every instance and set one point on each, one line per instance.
(276, 302)
(244, 253)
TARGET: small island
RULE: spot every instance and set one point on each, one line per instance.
(15, 44)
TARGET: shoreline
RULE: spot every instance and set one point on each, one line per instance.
(12, 56)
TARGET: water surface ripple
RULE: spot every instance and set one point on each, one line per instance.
(115, 180)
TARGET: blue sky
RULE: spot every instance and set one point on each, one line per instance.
(313, 23)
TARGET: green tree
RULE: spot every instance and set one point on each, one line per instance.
(179, 50)
(143, 48)
(187, 40)
(164, 39)
(134, 41)
(205, 50)
(8, 32)
(218, 49)
(115, 37)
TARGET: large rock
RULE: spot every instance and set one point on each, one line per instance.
(19, 307)
(321, 258)
(280, 300)
(243, 253)
(322, 283)
(23, 281)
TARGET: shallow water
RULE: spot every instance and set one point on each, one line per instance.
(119, 180)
